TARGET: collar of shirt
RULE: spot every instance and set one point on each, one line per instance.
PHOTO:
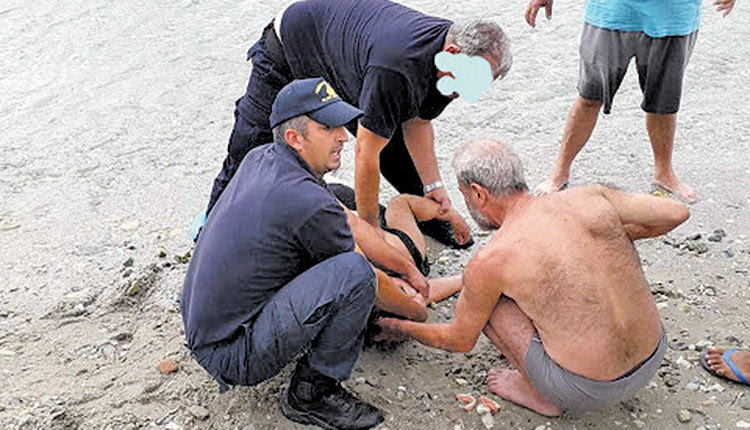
(287, 151)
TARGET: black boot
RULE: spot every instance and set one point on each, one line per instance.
(313, 398)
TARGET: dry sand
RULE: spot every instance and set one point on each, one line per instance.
(114, 121)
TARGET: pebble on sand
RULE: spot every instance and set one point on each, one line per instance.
(199, 412)
(167, 366)
(684, 416)
(130, 225)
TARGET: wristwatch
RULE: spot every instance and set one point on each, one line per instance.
(433, 186)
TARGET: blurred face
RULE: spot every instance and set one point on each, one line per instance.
(455, 49)
(320, 146)
(471, 204)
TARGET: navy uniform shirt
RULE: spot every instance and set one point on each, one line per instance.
(274, 221)
(378, 56)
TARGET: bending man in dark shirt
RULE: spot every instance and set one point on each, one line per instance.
(378, 56)
(274, 274)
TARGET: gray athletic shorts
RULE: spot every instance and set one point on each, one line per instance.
(576, 394)
(661, 62)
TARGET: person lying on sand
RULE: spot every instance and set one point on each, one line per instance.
(727, 363)
(404, 241)
(559, 289)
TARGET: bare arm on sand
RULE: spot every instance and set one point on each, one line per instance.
(481, 292)
(404, 209)
(643, 215)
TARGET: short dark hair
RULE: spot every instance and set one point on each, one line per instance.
(298, 123)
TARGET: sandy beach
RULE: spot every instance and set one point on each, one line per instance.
(115, 119)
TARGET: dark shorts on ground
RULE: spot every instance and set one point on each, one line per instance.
(577, 394)
(422, 263)
(660, 62)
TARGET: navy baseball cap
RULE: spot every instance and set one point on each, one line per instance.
(315, 98)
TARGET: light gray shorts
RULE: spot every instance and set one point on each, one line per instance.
(577, 394)
(605, 55)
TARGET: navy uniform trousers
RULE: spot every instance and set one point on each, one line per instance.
(321, 314)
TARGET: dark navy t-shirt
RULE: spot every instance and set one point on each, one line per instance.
(274, 221)
(377, 55)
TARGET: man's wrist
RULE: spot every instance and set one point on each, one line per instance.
(433, 186)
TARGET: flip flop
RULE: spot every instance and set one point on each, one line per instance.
(727, 357)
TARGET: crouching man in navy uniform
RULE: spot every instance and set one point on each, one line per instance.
(274, 275)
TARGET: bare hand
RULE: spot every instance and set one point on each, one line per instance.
(419, 282)
(724, 5)
(461, 231)
(534, 5)
(441, 196)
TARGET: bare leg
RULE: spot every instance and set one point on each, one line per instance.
(511, 331)
(578, 128)
(442, 288)
(740, 358)
(661, 131)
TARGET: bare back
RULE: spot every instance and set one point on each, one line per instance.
(570, 266)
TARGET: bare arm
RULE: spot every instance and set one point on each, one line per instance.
(643, 215)
(382, 254)
(424, 209)
(393, 298)
(367, 173)
(533, 8)
(419, 138)
(481, 291)
(725, 6)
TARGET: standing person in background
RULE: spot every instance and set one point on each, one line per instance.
(660, 34)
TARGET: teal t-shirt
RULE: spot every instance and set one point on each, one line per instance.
(656, 18)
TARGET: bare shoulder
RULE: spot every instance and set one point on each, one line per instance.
(589, 192)
(591, 206)
(489, 264)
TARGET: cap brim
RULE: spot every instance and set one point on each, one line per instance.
(335, 114)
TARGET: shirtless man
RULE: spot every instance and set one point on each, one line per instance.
(559, 288)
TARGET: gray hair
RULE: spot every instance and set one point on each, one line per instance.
(298, 123)
(484, 38)
(491, 164)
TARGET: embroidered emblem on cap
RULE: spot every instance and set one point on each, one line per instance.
(325, 92)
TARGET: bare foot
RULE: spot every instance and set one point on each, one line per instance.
(680, 189)
(512, 386)
(550, 185)
(717, 363)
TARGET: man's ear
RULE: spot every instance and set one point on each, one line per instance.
(293, 138)
(452, 48)
(479, 193)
